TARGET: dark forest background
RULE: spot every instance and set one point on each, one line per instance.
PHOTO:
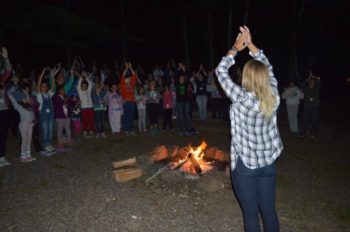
(297, 35)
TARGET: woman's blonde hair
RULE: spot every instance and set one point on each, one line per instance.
(256, 80)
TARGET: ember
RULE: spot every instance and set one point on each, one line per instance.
(194, 161)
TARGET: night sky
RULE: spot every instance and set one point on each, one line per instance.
(321, 28)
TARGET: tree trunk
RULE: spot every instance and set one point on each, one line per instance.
(185, 34)
(123, 30)
(229, 26)
(210, 39)
(293, 64)
(246, 12)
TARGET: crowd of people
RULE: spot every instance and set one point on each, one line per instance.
(77, 101)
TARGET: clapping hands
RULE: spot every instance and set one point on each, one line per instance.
(243, 40)
(4, 53)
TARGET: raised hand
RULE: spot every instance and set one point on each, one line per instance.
(130, 65)
(241, 39)
(245, 29)
(4, 53)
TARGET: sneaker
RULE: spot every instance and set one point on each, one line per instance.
(91, 133)
(132, 133)
(49, 148)
(85, 134)
(103, 135)
(45, 153)
(4, 162)
(26, 159)
(97, 135)
(127, 133)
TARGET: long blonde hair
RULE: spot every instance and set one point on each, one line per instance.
(256, 81)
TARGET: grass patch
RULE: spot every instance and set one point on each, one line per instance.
(44, 184)
(283, 181)
(342, 213)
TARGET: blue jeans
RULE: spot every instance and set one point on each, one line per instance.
(99, 121)
(202, 106)
(46, 125)
(256, 190)
(183, 114)
(128, 117)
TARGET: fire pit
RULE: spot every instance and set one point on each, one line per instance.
(189, 160)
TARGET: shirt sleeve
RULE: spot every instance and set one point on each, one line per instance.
(232, 90)
(260, 56)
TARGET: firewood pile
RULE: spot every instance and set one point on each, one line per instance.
(126, 170)
(173, 153)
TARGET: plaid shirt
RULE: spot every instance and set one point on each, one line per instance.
(255, 140)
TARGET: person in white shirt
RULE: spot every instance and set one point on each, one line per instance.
(292, 95)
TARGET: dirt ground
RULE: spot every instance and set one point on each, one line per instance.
(76, 192)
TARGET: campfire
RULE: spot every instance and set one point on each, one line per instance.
(192, 160)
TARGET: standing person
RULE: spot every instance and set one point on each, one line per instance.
(75, 111)
(115, 108)
(141, 99)
(84, 89)
(61, 105)
(201, 93)
(152, 102)
(182, 101)
(292, 94)
(44, 95)
(127, 87)
(311, 114)
(256, 142)
(168, 108)
(217, 101)
(5, 73)
(26, 113)
(100, 108)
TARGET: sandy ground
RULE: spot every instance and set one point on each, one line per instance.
(76, 192)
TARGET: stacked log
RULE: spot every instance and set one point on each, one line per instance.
(126, 170)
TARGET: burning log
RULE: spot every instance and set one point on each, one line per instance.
(216, 154)
(124, 163)
(123, 175)
(159, 153)
(195, 163)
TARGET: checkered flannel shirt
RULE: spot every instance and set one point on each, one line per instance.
(255, 140)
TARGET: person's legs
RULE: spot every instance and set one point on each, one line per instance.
(266, 188)
(102, 121)
(60, 126)
(180, 116)
(139, 119)
(84, 118)
(29, 133)
(204, 102)
(292, 119)
(186, 116)
(36, 138)
(44, 128)
(306, 120)
(91, 126)
(22, 130)
(4, 124)
(315, 120)
(143, 119)
(97, 121)
(67, 129)
(127, 115)
(112, 122)
(244, 181)
(132, 115)
(117, 116)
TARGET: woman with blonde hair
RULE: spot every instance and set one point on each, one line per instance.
(256, 142)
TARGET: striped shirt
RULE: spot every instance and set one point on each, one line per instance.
(255, 140)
